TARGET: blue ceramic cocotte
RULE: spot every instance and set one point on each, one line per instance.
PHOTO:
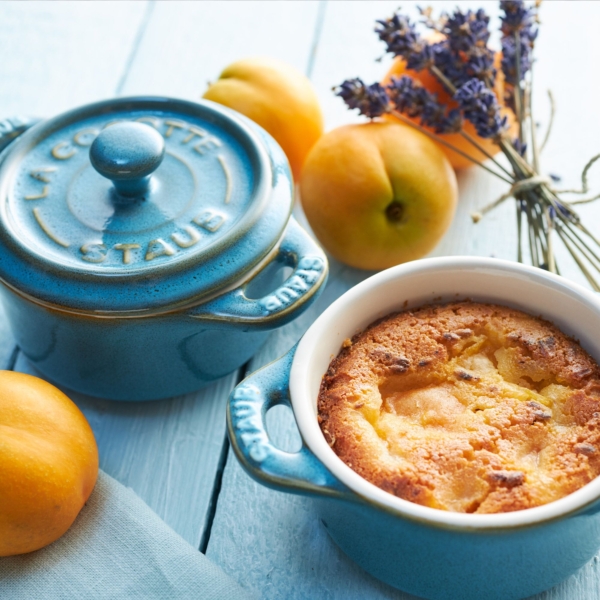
(139, 240)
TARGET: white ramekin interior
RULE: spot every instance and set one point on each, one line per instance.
(572, 308)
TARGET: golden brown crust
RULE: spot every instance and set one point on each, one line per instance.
(466, 407)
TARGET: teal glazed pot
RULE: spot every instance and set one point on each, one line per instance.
(141, 245)
(427, 552)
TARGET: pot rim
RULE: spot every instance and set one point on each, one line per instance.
(146, 313)
(304, 401)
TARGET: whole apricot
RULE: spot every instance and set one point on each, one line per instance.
(378, 194)
(276, 96)
(431, 83)
(48, 463)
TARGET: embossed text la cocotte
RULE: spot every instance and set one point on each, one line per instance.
(139, 245)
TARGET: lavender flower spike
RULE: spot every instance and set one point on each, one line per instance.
(401, 39)
(517, 16)
(371, 100)
(468, 32)
(519, 32)
(480, 106)
(412, 99)
(464, 53)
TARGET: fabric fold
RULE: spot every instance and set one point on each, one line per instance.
(117, 548)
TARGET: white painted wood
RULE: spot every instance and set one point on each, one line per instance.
(188, 44)
(58, 55)
(272, 542)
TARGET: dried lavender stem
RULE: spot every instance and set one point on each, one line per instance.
(481, 149)
(576, 258)
(584, 182)
(574, 226)
(550, 196)
(582, 201)
(547, 248)
(581, 243)
(551, 260)
(534, 147)
(587, 232)
(522, 169)
(476, 216)
(532, 245)
(517, 88)
(550, 121)
(538, 231)
(519, 232)
(450, 87)
(543, 236)
(444, 143)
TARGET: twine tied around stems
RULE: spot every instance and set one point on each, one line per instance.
(523, 185)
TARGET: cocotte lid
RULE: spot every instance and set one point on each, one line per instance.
(140, 204)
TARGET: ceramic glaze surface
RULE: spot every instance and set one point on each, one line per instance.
(128, 153)
(123, 359)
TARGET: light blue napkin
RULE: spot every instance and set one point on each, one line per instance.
(117, 548)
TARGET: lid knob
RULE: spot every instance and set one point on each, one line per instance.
(128, 153)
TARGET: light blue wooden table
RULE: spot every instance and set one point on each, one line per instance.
(174, 454)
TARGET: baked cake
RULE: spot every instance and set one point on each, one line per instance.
(465, 407)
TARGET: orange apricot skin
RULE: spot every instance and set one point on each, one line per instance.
(352, 176)
(48, 463)
(277, 97)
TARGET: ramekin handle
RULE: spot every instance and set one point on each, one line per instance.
(298, 250)
(297, 472)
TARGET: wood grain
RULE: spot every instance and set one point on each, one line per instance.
(58, 55)
(188, 44)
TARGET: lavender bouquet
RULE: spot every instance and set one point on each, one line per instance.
(464, 64)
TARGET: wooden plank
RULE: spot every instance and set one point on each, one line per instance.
(159, 449)
(57, 55)
(273, 542)
(188, 44)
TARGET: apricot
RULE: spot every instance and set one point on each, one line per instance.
(378, 194)
(431, 83)
(48, 463)
(276, 96)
